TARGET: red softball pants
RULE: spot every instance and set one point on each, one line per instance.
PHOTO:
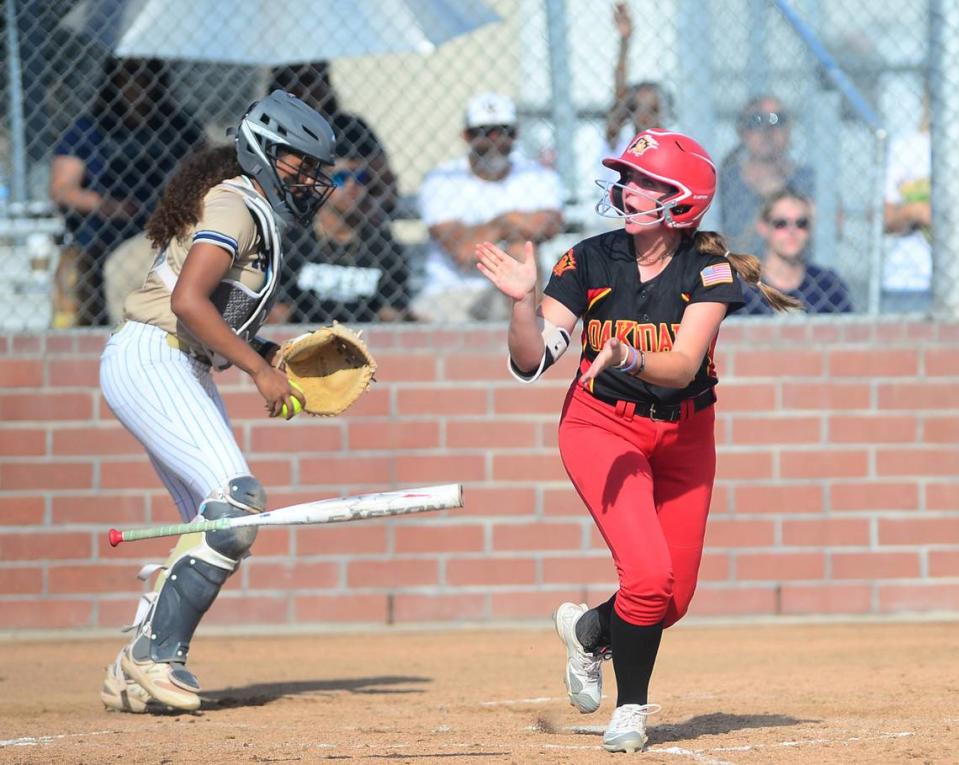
(648, 485)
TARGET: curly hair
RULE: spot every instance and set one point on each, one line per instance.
(748, 267)
(181, 205)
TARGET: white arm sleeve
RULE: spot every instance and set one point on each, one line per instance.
(556, 340)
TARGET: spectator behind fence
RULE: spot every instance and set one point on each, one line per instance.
(785, 227)
(756, 169)
(636, 107)
(312, 84)
(343, 267)
(907, 267)
(107, 173)
(492, 194)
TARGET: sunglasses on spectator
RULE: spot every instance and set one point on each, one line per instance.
(341, 177)
(763, 120)
(780, 223)
(487, 131)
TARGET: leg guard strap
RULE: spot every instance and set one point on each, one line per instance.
(190, 588)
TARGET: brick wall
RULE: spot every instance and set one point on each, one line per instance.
(837, 493)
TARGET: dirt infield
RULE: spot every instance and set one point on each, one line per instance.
(820, 693)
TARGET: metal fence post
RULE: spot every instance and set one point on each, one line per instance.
(18, 145)
(563, 111)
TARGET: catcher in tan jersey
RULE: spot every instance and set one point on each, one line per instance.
(226, 223)
(210, 288)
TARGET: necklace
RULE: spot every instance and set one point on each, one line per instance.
(664, 256)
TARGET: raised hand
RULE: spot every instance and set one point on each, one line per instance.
(623, 21)
(515, 278)
(612, 354)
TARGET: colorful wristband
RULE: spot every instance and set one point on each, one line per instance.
(634, 358)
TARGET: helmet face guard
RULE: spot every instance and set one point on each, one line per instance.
(304, 192)
(611, 204)
(671, 158)
(282, 124)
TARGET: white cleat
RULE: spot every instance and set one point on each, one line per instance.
(122, 693)
(169, 684)
(584, 671)
(626, 731)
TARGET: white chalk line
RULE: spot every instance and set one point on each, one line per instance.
(704, 755)
(695, 755)
(814, 742)
(535, 700)
(40, 740)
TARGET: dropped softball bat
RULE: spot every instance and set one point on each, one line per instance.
(337, 510)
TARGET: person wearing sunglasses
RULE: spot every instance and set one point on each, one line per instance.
(785, 227)
(757, 168)
(344, 266)
(493, 193)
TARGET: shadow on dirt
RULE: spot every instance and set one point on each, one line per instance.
(258, 694)
(715, 724)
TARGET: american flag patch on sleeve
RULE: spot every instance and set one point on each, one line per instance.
(718, 273)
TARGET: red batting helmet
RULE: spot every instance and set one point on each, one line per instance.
(681, 162)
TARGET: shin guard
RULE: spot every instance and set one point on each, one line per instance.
(200, 566)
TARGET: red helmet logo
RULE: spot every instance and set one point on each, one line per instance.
(641, 143)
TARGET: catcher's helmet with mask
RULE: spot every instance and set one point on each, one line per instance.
(279, 123)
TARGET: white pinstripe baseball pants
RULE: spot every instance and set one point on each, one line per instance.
(170, 403)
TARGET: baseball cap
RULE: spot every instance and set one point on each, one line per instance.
(490, 109)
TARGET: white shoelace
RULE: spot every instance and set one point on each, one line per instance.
(632, 716)
(588, 664)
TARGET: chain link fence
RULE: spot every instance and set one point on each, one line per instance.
(817, 113)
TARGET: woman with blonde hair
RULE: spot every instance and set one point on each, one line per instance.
(785, 226)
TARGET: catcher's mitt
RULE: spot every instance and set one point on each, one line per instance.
(332, 366)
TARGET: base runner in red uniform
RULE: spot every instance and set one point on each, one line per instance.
(637, 429)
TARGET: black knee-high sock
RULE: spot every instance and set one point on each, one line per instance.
(592, 629)
(605, 611)
(634, 654)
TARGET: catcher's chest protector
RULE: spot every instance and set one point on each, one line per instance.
(244, 310)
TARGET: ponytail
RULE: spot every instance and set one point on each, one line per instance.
(748, 268)
(181, 205)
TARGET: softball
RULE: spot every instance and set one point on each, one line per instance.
(297, 406)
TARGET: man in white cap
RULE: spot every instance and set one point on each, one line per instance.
(491, 194)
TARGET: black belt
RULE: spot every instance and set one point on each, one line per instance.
(658, 411)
